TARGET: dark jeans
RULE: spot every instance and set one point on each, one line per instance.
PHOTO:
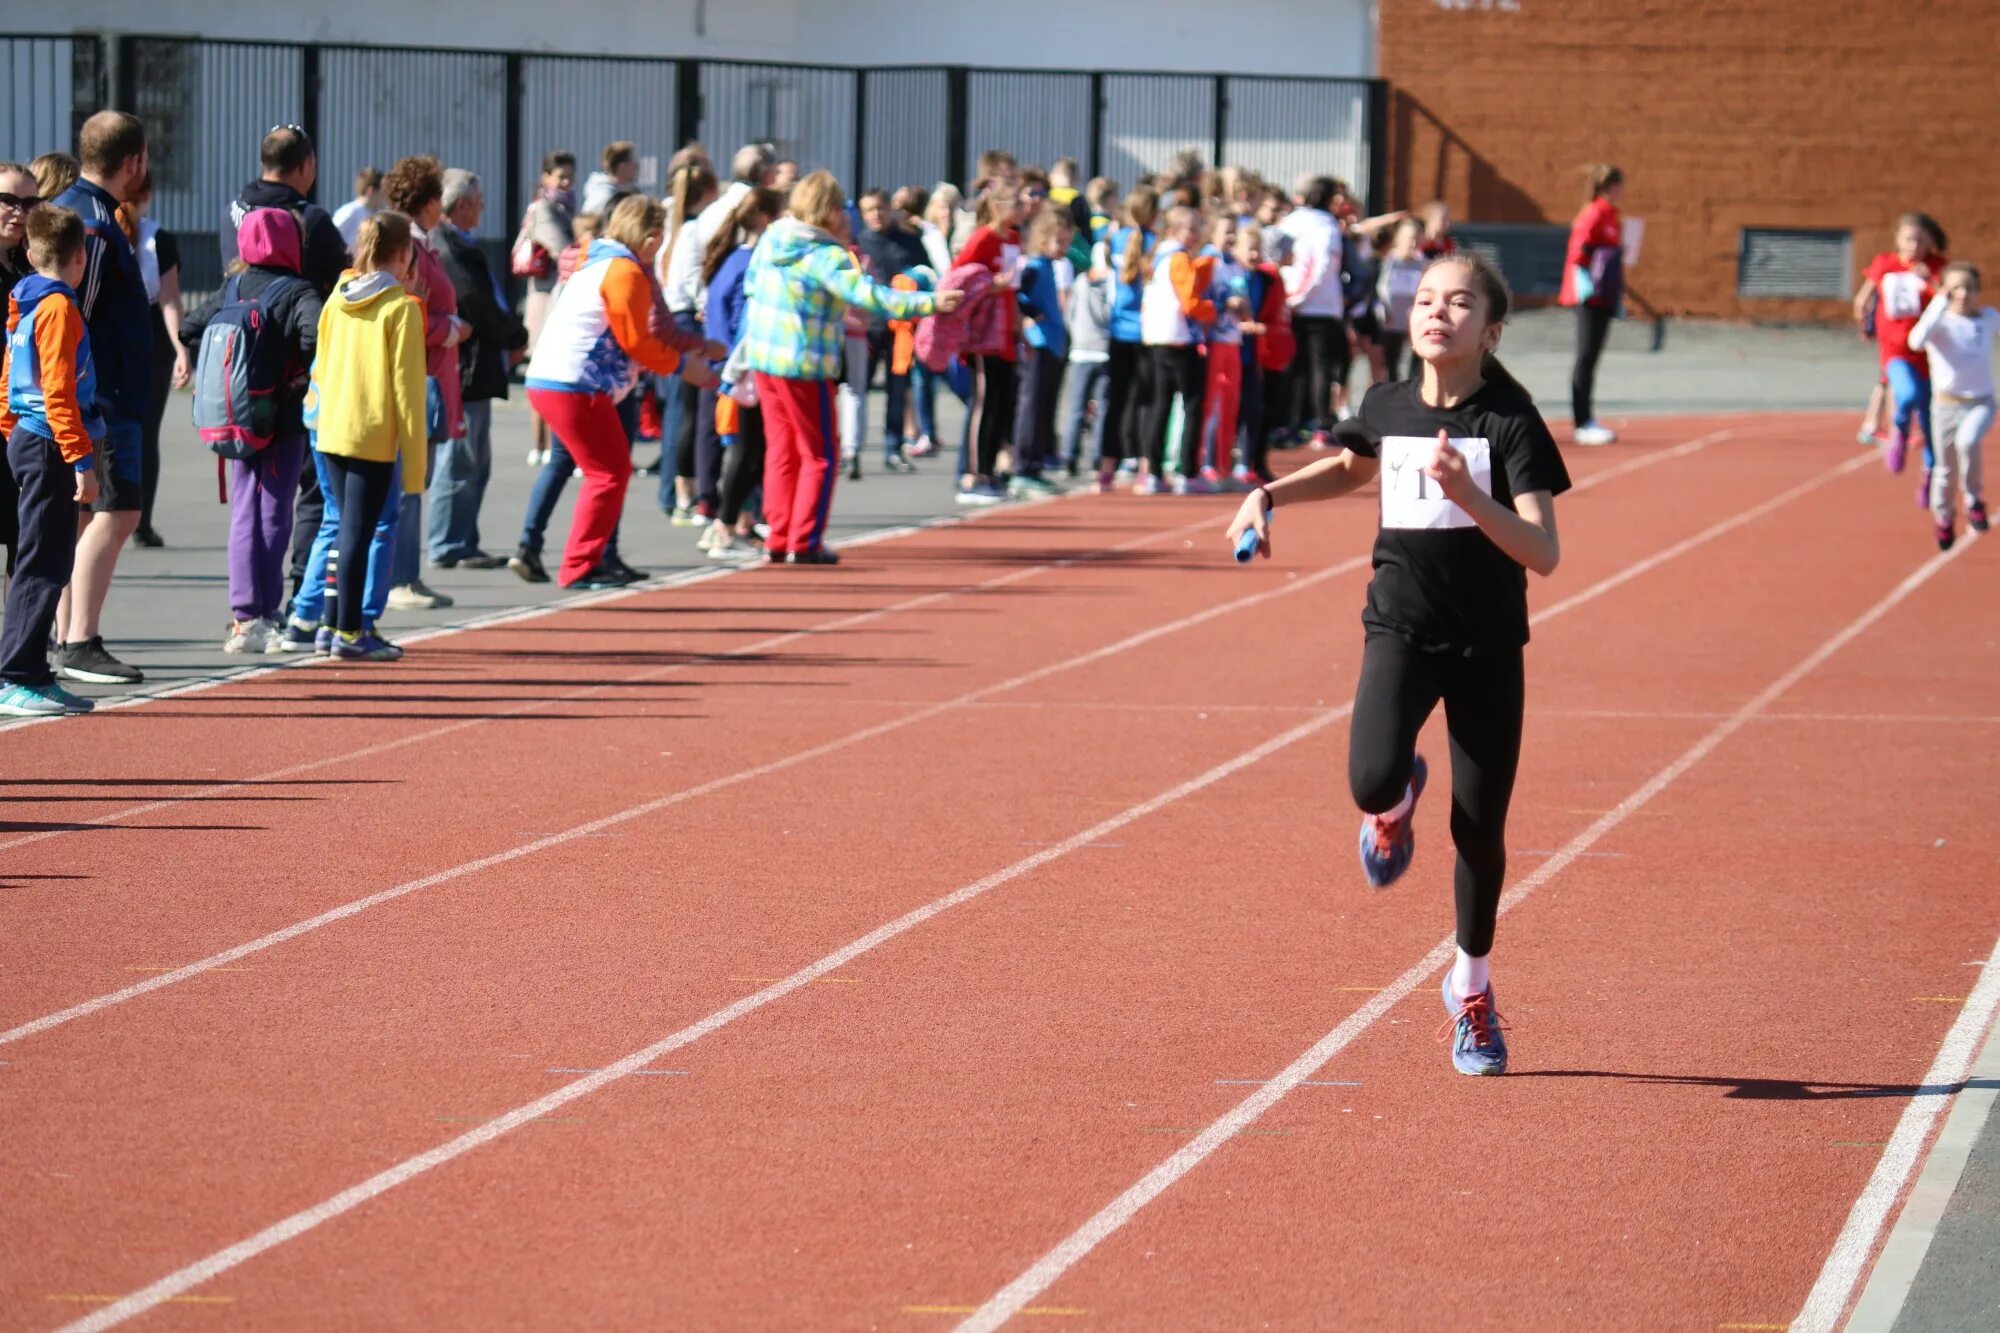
(707, 451)
(1176, 370)
(1593, 326)
(1254, 450)
(895, 389)
(1035, 411)
(1483, 698)
(364, 491)
(10, 508)
(1125, 395)
(1089, 396)
(43, 560)
(1323, 358)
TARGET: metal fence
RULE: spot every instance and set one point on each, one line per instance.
(207, 104)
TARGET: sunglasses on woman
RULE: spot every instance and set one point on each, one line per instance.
(20, 203)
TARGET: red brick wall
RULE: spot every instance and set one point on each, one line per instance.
(1723, 114)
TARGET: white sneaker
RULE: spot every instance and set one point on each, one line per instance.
(414, 596)
(249, 636)
(1590, 433)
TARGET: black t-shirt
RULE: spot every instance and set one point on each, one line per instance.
(1440, 583)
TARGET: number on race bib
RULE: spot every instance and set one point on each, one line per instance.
(1410, 499)
(1902, 295)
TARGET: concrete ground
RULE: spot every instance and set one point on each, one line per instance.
(169, 611)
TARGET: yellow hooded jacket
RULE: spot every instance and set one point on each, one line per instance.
(367, 398)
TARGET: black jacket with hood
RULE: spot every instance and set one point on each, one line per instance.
(496, 331)
(324, 254)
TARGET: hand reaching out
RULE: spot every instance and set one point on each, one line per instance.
(949, 301)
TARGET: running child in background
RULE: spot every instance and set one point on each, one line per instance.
(1396, 291)
(1435, 239)
(1956, 334)
(1469, 475)
(1898, 285)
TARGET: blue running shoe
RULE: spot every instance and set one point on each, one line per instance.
(364, 648)
(1477, 1046)
(1388, 844)
(323, 641)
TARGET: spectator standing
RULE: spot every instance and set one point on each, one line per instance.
(617, 175)
(291, 167)
(113, 300)
(890, 248)
(1318, 300)
(365, 204)
(465, 463)
(415, 188)
(546, 231)
(160, 268)
(18, 196)
(53, 430)
(263, 486)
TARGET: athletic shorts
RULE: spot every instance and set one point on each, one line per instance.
(119, 470)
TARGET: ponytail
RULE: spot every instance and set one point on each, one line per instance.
(1142, 209)
(384, 238)
(695, 180)
(1493, 372)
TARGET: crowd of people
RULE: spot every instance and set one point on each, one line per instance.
(344, 374)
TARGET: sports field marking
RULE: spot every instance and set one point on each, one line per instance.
(1110, 1219)
(1854, 1249)
(307, 1219)
(637, 1073)
(966, 1309)
(284, 934)
(79, 1299)
(573, 696)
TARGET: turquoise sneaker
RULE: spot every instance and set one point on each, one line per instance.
(1477, 1046)
(50, 700)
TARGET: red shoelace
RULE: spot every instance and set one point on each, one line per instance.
(1480, 1013)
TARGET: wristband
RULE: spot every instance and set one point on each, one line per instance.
(1269, 503)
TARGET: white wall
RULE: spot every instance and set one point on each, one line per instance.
(1241, 36)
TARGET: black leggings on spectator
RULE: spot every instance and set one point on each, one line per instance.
(1593, 325)
(1124, 402)
(162, 369)
(364, 491)
(1176, 370)
(993, 395)
(1483, 697)
(707, 451)
(1321, 364)
(742, 466)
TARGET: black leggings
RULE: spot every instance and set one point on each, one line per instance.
(1483, 698)
(1124, 401)
(1176, 370)
(1593, 325)
(363, 492)
(742, 465)
(1322, 363)
(993, 394)
(162, 369)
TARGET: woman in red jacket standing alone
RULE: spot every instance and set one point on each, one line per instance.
(1594, 282)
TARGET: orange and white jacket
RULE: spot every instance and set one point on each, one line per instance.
(601, 330)
(1176, 297)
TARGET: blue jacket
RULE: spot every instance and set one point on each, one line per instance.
(112, 297)
(1125, 297)
(47, 345)
(1041, 299)
(727, 297)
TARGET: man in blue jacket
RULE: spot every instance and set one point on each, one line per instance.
(112, 149)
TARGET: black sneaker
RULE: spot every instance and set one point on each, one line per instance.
(480, 560)
(617, 564)
(651, 469)
(91, 664)
(854, 468)
(602, 577)
(148, 536)
(528, 564)
(819, 555)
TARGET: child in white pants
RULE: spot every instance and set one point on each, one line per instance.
(1956, 333)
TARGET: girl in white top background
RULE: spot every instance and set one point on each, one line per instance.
(1956, 333)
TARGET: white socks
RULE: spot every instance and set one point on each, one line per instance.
(1469, 976)
(1403, 807)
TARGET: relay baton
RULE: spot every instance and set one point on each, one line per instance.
(1246, 545)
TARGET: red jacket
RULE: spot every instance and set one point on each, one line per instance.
(1278, 344)
(1597, 228)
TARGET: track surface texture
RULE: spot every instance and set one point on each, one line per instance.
(972, 933)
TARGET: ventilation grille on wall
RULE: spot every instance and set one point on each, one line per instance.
(1781, 261)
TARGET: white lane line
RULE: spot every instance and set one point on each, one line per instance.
(573, 696)
(166, 1288)
(85, 1008)
(1855, 1246)
(1043, 1273)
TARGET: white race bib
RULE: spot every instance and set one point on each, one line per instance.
(1410, 499)
(1902, 295)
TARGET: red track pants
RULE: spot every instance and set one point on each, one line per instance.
(588, 425)
(1225, 395)
(801, 459)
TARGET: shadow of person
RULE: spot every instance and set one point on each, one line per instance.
(1773, 1089)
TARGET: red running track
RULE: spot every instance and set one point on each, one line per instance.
(912, 913)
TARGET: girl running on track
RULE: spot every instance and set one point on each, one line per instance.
(1469, 476)
(1897, 287)
(1956, 333)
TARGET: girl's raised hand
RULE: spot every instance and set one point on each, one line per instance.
(1252, 516)
(950, 300)
(1446, 467)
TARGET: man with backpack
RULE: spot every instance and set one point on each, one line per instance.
(255, 341)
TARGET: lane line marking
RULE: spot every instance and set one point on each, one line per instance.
(1110, 1219)
(355, 907)
(1307, 1083)
(591, 692)
(177, 1300)
(306, 1219)
(964, 1309)
(637, 1073)
(685, 579)
(1854, 1248)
